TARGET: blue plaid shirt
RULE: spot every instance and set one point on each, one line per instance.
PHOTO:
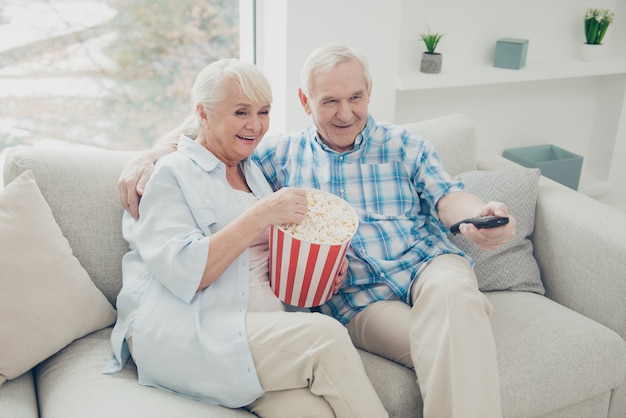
(393, 178)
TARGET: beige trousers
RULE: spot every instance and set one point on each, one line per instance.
(308, 367)
(445, 336)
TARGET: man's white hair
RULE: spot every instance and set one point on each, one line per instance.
(325, 58)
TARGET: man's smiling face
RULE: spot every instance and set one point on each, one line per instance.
(338, 103)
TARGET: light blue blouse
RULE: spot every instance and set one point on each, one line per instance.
(188, 342)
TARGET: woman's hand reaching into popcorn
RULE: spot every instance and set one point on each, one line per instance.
(287, 205)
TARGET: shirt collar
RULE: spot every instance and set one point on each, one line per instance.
(199, 154)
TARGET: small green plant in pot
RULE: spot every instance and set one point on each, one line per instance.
(431, 60)
(597, 21)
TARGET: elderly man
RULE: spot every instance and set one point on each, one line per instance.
(410, 295)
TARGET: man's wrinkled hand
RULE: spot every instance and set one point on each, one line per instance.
(132, 182)
(491, 238)
(341, 275)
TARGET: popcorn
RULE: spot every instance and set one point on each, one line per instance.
(329, 220)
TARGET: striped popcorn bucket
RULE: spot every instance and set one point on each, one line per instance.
(302, 272)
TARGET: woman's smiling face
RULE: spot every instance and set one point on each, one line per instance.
(236, 126)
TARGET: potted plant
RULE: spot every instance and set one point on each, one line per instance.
(431, 60)
(597, 21)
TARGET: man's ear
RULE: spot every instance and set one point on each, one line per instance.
(304, 101)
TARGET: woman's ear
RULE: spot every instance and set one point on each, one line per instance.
(201, 113)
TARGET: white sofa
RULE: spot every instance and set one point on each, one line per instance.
(560, 355)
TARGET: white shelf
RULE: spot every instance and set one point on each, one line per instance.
(487, 74)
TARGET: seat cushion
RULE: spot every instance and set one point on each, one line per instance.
(549, 356)
(18, 398)
(395, 384)
(71, 385)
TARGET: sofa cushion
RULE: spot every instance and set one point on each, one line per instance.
(513, 266)
(47, 299)
(454, 139)
(18, 398)
(551, 357)
(80, 186)
(395, 384)
(70, 384)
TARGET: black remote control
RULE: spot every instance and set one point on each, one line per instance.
(481, 222)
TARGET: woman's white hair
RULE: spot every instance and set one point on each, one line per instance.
(325, 58)
(211, 86)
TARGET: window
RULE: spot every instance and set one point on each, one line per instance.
(109, 73)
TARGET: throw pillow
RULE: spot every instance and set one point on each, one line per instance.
(513, 266)
(47, 299)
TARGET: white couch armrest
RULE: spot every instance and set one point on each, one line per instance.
(580, 245)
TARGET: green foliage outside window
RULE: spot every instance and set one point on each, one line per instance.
(153, 50)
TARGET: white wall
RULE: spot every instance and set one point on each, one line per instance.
(554, 28)
(291, 29)
(582, 114)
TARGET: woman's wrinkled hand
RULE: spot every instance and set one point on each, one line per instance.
(288, 205)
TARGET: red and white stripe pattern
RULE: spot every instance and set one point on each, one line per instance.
(302, 273)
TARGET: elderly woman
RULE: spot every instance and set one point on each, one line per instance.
(196, 311)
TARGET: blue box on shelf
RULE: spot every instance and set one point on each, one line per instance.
(556, 163)
(511, 53)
